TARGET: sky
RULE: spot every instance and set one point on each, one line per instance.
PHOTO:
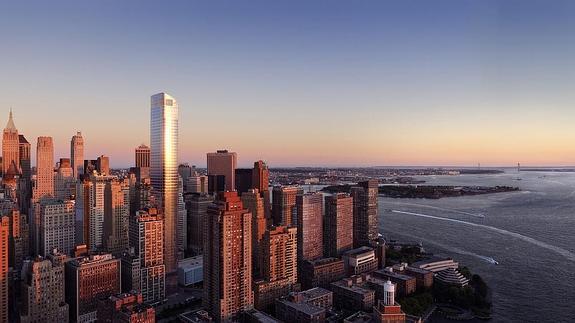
(298, 83)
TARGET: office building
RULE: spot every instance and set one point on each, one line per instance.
(4, 258)
(360, 260)
(197, 184)
(365, 221)
(283, 204)
(243, 179)
(57, 226)
(196, 208)
(64, 180)
(142, 159)
(89, 279)
(191, 271)
(255, 204)
(43, 290)
(228, 258)
(77, 154)
(185, 172)
(91, 205)
(309, 209)
(223, 163)
(116, 214)
(164, 169)
(338, 224)
(146, 236)
(217, 183)
(19, 243)
(25, 183)
(292, 311)
(182, 228)
(43, 185)
(10, 147)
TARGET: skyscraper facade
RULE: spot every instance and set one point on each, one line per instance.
(254, 203)
(116, 214)
(143, 156)
(89, 279)
(25, 184)
(57, 226)
(338, 224)
(43, 290)
(44, 168)
(309, 208)
(4, 257)
(283, 204)
(196, 208)
(64, 180)
(228, 258)
(10, 146)
(19, 239)
(279, 266)
(164, 168)
(77, 154)
(223, 163)
(146, 236)
(365, 222)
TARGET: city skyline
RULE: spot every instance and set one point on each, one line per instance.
(455, 83)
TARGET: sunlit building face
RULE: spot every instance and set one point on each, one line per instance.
(164, 168)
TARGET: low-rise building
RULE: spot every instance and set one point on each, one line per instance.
(321, 272)
(406, 285)
(436, 264)
(191, 271)
(360, 260)
(289, 311)
(348, 293)
(317, 296)
(359, 317)
(423, 277)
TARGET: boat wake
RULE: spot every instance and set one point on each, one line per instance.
(477, 215)
(565, 253)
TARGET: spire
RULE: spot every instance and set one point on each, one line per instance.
(10, 125)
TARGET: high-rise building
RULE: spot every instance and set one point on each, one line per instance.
(261, 182)
(243, 179)
(24, 155)
(90, 207)
(164, 168)
(223, 163)
(338, 224)
(64, 180)
(283, 204)
(228, 258)
(365, 222)
(43, 290)
(4, 258)
(89, 279)
(116, 214)
(25, 183)
(10, 146)
(279, 266)
(19, 243)
(197, 184)
(255, 204)
(143, 156)
(185, 172)
(197, 208)
(43, 185)
(77, 154)
(261, 176)
(182, 228)
(57, 226)
(146, 237)
(103, 165)
(125, 308)
(309, 208)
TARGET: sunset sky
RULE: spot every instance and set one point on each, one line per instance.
(315, 83)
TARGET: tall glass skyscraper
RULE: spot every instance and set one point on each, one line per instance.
(164, 169)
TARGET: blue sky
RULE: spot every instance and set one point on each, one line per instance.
(299, 82)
